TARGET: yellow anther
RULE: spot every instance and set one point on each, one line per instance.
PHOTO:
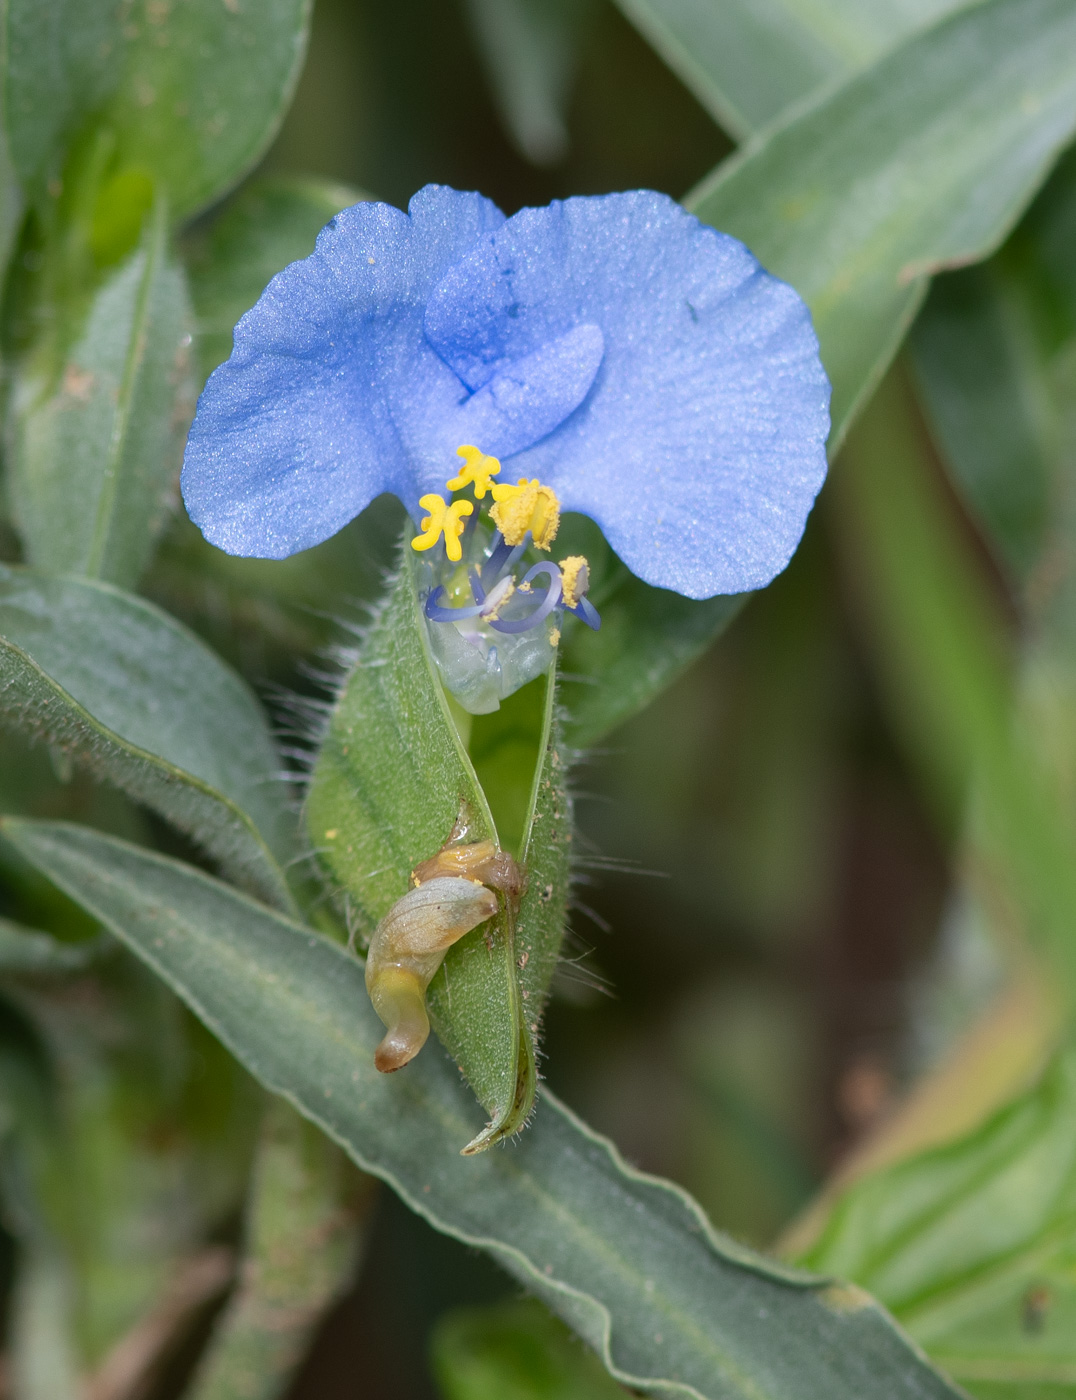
(476, 470)
(574, 579)
(442, 520)
(528, 506)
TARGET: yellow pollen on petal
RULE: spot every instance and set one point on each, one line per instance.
(442, 520)
(476, 471)
(574, 579)
(528, 506)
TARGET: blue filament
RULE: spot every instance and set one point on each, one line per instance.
(544, 608)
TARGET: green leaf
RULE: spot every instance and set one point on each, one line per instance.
(935, 638)
(98, 439)
(268, 224)
(147, 1150)
(392, 780)
(648, 637)
(514, 1351)
(531, 49)
(56, 60)
(629, 1261)
(131, 694)
(299, 1255)
(748, 61)
(973, 1245)
(188, 94)
(27, 950)
(980, 376)
(921, 162)
(990, 350)
(205, 86)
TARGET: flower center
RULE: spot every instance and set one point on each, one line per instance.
(487, 597)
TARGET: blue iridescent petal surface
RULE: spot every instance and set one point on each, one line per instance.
(700, 446)
(332, 394)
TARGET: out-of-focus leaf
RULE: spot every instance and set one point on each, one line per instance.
(391, 782)
(267, 615)
(300, 1251)
(989, 351)
(127, 691)
(98, 440)
(145, 1152)
(269, 224)
(40, 1323)
(629, 1261)
(188, 94)
(27, 950)
(936, 644)
(56, 60)
(514, 1351)
(648, 637)
(43, 1361)
(205, 85)
(531, 48)
(981, 379)
(973, 1245)
(922, 161)
(747, 61)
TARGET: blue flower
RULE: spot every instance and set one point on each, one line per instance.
(637, 364)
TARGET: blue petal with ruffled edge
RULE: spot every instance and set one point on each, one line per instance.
(701, 445)
(642, 364)
(333, 394)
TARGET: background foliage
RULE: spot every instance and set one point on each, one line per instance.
(824, 874)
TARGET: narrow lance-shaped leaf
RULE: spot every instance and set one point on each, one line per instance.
(141, 701)
(747, 62)
(98, 440)
(923, 161)
(673, 1308)
(391, 784)
(972, 1244)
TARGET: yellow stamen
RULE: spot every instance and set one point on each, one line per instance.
(528, 506)
(476, 471)
(574, 579)
(442, 520)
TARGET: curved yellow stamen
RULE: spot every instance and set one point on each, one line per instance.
(442, 520)
(476, 471)
(528, 506)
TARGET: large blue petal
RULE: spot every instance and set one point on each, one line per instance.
(701, 445)
(332, 394)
